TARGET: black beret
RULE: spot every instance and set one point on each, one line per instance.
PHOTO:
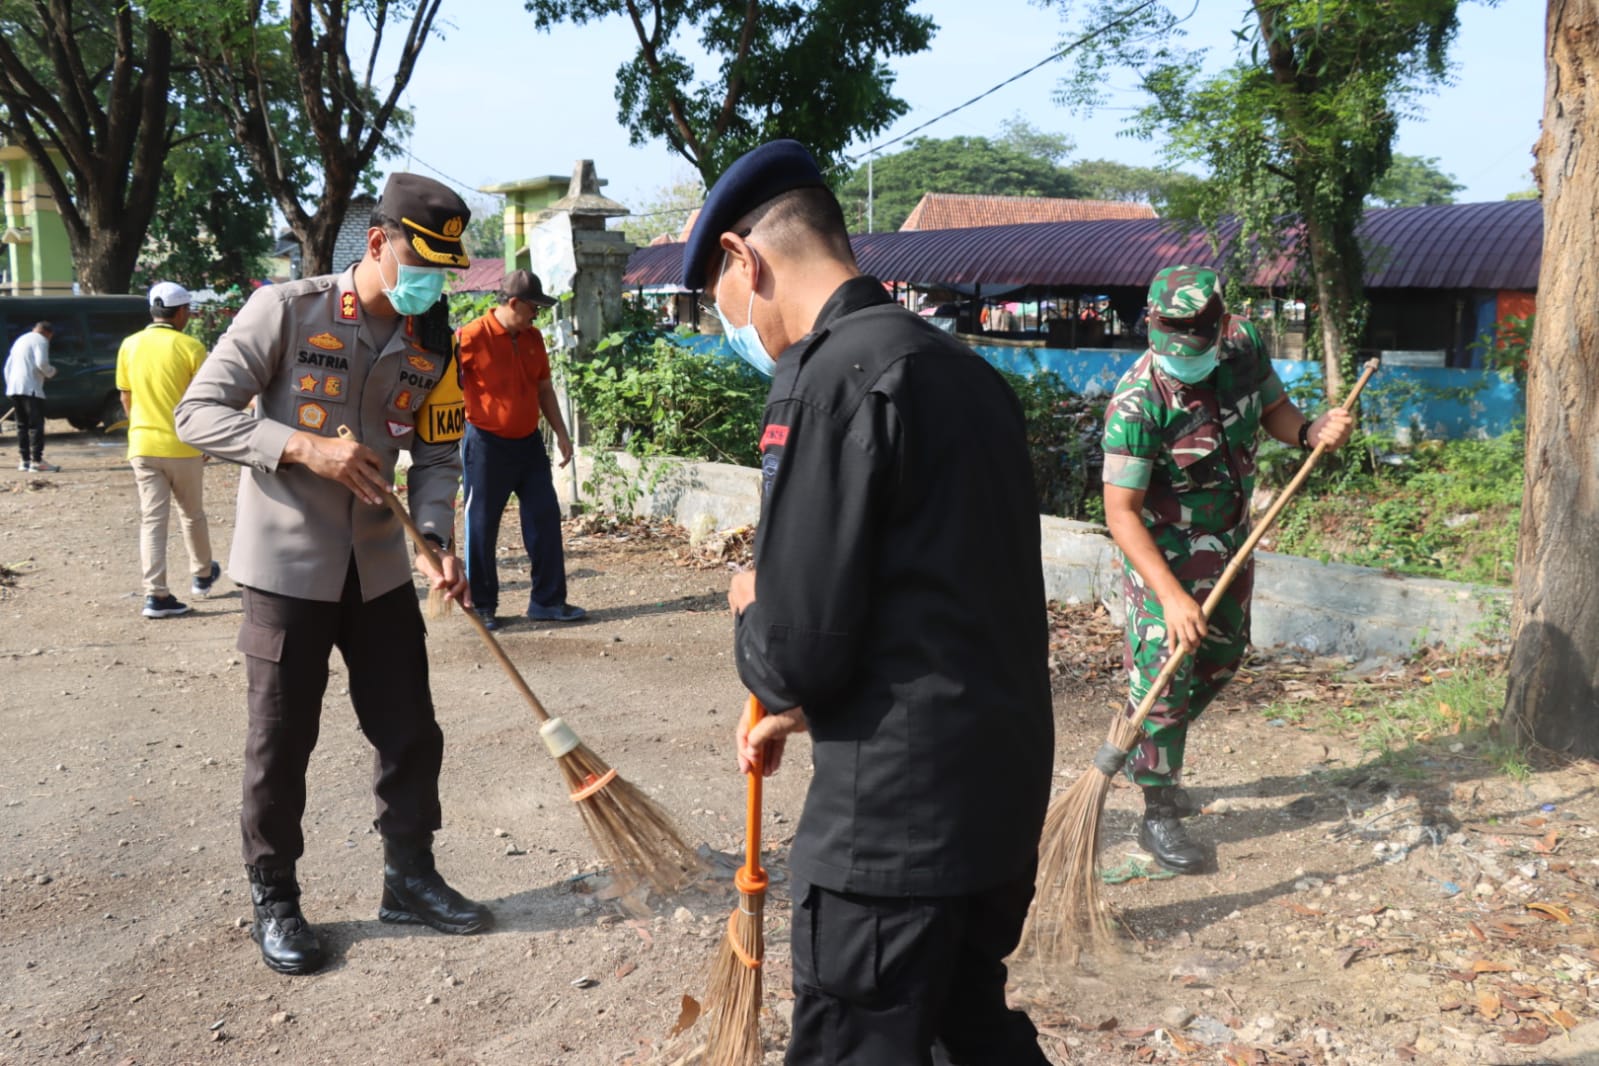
(759, 175)
(433, 216)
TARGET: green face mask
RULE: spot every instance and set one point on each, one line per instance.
(415, 288)
(1188, 369)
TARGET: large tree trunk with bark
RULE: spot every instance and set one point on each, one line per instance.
(1333, 304)
(99, 138)
(1553, 697)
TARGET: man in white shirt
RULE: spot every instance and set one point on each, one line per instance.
(27, 367)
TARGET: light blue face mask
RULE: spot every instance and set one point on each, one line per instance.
(1188, 369)
(415, 288)
(744, 340)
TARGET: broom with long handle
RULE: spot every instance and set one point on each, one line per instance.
(734, 997)
(636, 837)
(1068, 914)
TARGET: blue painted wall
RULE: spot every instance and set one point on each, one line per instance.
(1421, 403)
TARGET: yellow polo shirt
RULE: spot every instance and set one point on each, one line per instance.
(156, 365)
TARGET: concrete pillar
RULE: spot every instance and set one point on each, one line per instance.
(38, 255)
(598, 259)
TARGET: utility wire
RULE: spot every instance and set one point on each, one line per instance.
(1125, 16)
(1085, 38)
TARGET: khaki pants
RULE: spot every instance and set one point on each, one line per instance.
(160, 482)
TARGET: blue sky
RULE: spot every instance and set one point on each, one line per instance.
(495, 100)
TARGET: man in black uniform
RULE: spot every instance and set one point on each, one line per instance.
(896, 612)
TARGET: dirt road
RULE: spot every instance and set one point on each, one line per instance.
(1353, 918)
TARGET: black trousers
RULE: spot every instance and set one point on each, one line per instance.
(891, 981)
(29, 413)
(287, 642)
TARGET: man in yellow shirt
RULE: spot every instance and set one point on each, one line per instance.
(154, 368)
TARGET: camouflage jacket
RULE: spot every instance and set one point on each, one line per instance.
(1191, 448)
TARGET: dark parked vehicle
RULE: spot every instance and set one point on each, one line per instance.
(88, 331)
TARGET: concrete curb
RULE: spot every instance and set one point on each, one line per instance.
(1324, 608)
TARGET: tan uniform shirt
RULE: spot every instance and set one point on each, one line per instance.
(306, 354)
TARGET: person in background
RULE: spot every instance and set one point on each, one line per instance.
(1179, 442)
(154, 368)
(505, 378)
(27, 369)
(325, 564)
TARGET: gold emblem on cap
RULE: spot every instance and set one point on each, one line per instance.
(454, 226)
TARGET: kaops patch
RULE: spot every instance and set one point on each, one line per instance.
(312, 415)
(349, 307)
(326, 341)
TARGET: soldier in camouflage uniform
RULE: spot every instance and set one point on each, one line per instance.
(1179, 474)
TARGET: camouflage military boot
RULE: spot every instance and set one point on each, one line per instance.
(1162, 834)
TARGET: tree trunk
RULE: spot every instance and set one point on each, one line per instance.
(1333, 304)
(316, 242)
(1553, 696)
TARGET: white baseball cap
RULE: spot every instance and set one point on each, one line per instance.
(169, 294)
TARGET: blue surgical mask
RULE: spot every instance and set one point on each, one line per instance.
(415, 288)
(1188, 369)
(744, 340)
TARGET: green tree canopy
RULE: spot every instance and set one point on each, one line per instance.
(808, 69)
(1172, 193)
(1301, 124)
(1414, 181)
(973, 165)
(84, 91)
(485, 234)
(344, 105)
(666, 212)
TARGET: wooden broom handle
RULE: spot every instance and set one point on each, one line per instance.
(1174, 662)
(425, 547)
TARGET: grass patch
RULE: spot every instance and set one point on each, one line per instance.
(1454, 705)
(1444, 509)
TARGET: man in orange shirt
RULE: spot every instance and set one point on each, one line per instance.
(505, 378)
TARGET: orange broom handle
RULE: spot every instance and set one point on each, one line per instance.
(751, 878)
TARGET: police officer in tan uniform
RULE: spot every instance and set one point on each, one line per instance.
(324, 564)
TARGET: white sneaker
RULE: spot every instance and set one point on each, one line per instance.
(42, 467)
(24, 466)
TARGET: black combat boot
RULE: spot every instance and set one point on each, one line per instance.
(413, 891)
(1163, 836)
(288, 944)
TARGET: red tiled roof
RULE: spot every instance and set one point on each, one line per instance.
(940, 210)
(484, 275)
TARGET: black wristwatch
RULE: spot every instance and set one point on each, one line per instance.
(1304, 435)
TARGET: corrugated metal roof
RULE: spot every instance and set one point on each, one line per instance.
(943, 210)
(1458, 246)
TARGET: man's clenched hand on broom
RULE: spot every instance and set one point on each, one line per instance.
(358, 468)
(762, 745)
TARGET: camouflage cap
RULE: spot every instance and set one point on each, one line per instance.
(1185, 311)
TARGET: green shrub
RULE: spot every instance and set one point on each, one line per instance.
(645, 393)
(1063, 434)
(1446, 509)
